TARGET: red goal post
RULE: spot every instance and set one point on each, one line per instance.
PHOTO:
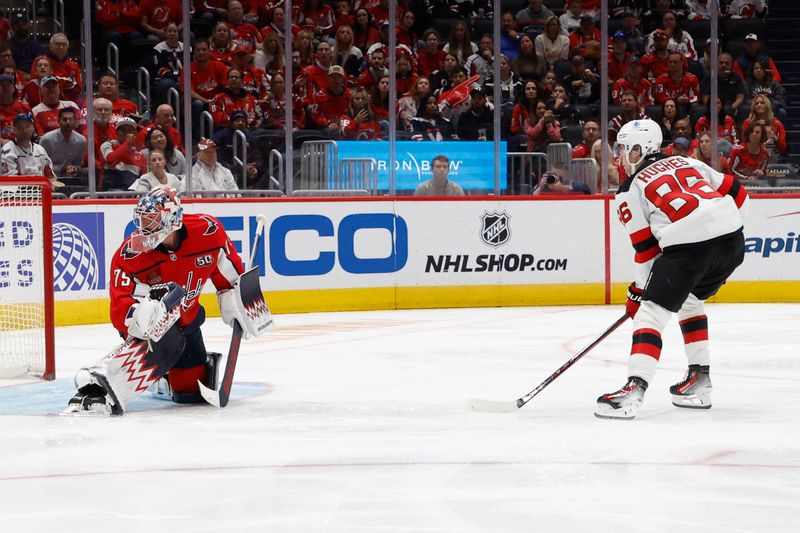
(27, 325)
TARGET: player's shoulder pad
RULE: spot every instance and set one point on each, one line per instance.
(205, 225)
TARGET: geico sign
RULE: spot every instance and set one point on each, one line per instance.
(396, 234)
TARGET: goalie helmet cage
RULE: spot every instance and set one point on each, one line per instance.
(27, 324)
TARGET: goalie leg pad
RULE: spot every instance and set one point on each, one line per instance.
(133, 366)
(245, 303)
(183, 381)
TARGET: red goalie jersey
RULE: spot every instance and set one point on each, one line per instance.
(677, 200)
(205, 253)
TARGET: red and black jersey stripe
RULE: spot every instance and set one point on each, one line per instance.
(645, 244)
(647, 341)
(694, 329)
(732, 187)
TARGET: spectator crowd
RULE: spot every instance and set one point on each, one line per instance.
(549, 84)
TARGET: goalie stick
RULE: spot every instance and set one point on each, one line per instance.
(492, 406)
(250, 289)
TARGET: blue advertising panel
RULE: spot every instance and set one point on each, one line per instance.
(471, 162)
(78, 251)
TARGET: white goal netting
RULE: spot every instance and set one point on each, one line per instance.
(23, 309)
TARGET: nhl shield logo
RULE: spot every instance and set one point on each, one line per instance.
(495, 230)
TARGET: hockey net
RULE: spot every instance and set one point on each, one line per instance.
(26, 278)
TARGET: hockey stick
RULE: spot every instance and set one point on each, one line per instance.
(220, 396)
(491, 406)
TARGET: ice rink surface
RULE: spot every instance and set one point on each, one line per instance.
(357, 422)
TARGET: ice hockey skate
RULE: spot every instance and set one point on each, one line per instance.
(623, 403)
(90, 400)
(694, 392)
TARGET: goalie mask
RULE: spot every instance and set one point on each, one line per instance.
(157, 214)
(635, 141)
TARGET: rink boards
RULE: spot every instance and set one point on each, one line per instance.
(349, 254)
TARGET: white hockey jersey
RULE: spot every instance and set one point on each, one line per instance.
(676, 200)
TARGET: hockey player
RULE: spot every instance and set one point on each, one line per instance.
(685, 223)
(169, 253)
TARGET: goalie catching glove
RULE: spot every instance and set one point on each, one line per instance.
(245, 304)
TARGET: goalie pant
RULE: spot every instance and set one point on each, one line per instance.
(204, 252)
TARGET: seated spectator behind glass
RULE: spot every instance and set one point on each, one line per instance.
(669, 114)
(429, 125)
(752, 52)
(7, 63)
(698, 10)
(774, 130)
(653, 15)
(10, 107)
(108, 87)
(405, 78)
(67, 71)
(270, 55)
(119, 20)
(232, 98)
(165, 117)
(705, 153)
(553, 183)
(408, 104)
(730, 86)
(441, 78)
(277, 23)
(633, 34)
(677, 84)
(375, 70)
(158, 139)
(680, 146)
(551, 45)
(616, 173)
(679, 41)
(630, 111)
(634, 81)
(65, 146)
(746, 9)
(542, 131)
(104, 130)
(429, 58)
(481, 62)
(31, 91)
(510, 86)
(358, 123)
(342, 14)
(24, 46)
(655, 60)
(531, 19)
(591, 132)
(365, 33)
(157, 174)
(255, 81)
(23, 157)
(459, 43)
(329, 105)
(167, 62)
(405, 31)
(157, 14)
(760, 81)
(749, 160)
(618, 57)
(509, 38)
(587, 32)
(456, 101)
(528, 65)
(226, 137)
(379, 98)
(317, 17)
(45, 115)
(123, 163)
(439, 184)
(220, 43)
(243, 33)
(345, 53)
(477, 123)
(726, 126)
(582, 83)
(525, 107)
(559, 103)
(571, 19)
(273, 108)
(208, 78)
(207, 173)
(315, 76)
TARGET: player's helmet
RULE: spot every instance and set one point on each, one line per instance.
(157, 214)
(636, 140)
